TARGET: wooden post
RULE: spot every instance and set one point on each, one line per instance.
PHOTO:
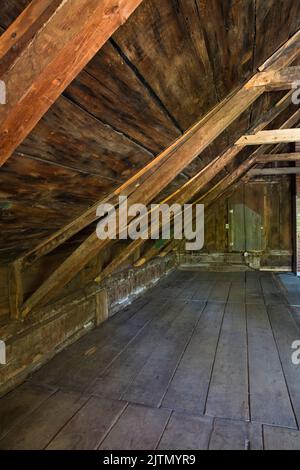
(16, 294)
(101, 307)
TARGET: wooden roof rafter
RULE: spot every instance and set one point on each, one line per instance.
(43, 51)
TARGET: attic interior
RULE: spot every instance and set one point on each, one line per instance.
(143, 344)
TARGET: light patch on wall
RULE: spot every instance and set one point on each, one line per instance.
(2, 92)
(2, 353)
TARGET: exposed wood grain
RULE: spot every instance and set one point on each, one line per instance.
(167, 356)
(89, 426)
(229, 398)
(38, 429)
(274, 171)
(188, 389)
(267, 382)
(186, 433)
(53, 71)
(146, 425)
(110, 89)
(236, 435)
(276, 79)
(271, 137)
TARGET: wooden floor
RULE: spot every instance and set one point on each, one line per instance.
(202, 362)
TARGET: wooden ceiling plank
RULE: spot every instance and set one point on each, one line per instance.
(68, 35)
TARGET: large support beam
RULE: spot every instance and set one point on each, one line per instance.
(283, 79)
(162, 171)
(271, 137)
(43, 51)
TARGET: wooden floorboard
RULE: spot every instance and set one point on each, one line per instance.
(114, 381)
(19, 403)
(236, 435)
(203, 361)
(187, 433)
(267, 382)
(38, 429)
(88, 428)
(229, 397)
(152, 382)
(139, 428)
(281, 439)
(189, 386)
(285, 332)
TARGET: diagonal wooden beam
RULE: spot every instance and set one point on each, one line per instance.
(271, 137)
(43, 51)
(283, 79)
(162, 171)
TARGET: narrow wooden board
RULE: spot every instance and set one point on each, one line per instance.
(254, 293)
(271, 292)
(269, 396)
(286, 331)
(151, 384)
(139, 428)
(116, 379)
(237, 293)
(189, 386)
(236, 435)
(76, 367)
(220, 292)
(89, 426)
(276, 438)
(16, 405)
(38, 429)
(228, 392)
(186, 433)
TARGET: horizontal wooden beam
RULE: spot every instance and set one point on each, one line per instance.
(274, 171)
(271, 137)
(279, 157)
(283, 79)
(43, 51)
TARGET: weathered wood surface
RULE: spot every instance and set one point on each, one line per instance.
(208, 373)
(36, 30)
(271, 137)
(277, 79)
(175, 72)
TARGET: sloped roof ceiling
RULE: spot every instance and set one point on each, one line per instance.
(163, 70)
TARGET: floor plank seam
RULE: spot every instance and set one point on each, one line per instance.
(214, 361)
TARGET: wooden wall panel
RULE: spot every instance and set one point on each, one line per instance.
(266, 204)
